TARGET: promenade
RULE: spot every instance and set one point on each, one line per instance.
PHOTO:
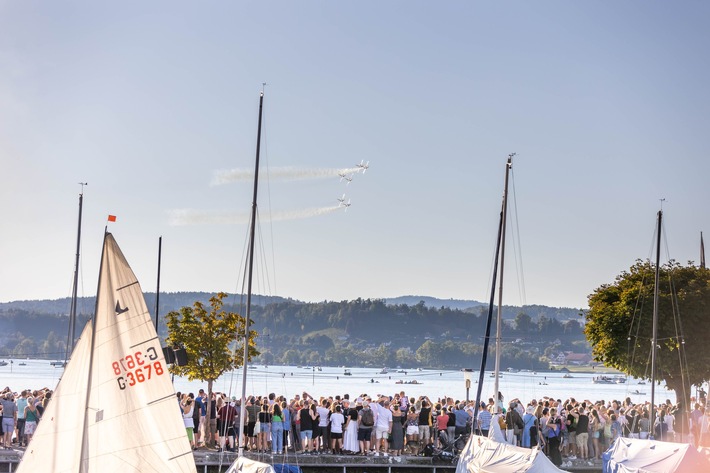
(211, 461)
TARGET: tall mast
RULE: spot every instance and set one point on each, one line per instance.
(72, 310)
(84, 446)
(486, 339)
(654, 339)
(252, 232)
(157, 290)
(499, 322)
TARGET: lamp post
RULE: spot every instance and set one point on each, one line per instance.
(467, 374)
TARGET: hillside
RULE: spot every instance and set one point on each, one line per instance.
(359, 332)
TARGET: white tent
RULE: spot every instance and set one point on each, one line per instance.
(245, 465)
(484, 455)
(651, 456)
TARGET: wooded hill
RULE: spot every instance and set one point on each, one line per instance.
(362, 332)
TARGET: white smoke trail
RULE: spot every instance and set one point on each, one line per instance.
(180, 217)
(226, 176)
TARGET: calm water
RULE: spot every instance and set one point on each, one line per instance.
(290, 380)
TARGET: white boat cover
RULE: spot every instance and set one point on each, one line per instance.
(245, 465)
(484, 455)
(651, 456)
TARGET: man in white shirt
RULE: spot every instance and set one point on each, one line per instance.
(383, 426)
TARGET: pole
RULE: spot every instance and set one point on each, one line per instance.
(252, 232)
(499, 322)
(157, 290)
(654, 339)
(72, 310)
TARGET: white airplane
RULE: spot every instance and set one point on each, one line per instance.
(363, 165)
(348, 178)
(346, 204)
(341, 200)
(342, 176)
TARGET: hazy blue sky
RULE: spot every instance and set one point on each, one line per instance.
(606, 103)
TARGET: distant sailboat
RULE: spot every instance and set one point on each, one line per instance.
(114, 409)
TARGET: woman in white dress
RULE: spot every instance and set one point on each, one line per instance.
(350, 442)
(495, 432)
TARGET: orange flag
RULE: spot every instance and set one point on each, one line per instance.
(111, 218)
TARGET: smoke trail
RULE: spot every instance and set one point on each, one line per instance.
(180, 217)
(284, 173)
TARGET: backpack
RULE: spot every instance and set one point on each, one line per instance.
(368, 419)
(428, 450)
(552, 432)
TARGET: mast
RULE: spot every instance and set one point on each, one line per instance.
(252, 232)
(157, 290)
(72, 310)
(654, 339)
(486, 339)
(499, 322)
(702, 252)
(84, 447)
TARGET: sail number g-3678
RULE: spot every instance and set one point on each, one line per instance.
(137, 368)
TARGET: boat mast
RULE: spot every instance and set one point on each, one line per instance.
(252, 232)
(654, 339)
(486, 339)
(499, 322)
(72, 310)
(84, 446)
(157, 290)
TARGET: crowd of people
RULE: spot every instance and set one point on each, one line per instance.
(398, 424)
(568, 431)
(20, 414)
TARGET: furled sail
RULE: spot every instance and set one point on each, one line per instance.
(114, 409)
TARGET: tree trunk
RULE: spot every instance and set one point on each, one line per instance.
(209, 436)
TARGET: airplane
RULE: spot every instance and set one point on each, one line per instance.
(363, 165)
(341, 200)
(346, 204)
(348, 178)
(342, 176)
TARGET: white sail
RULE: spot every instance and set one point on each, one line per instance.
(114, 409)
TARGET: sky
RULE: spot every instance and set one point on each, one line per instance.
(155, 106)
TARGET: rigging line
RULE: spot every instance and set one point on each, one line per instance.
(677, 321)
(268, 195)
(517, 246)
(636, 315)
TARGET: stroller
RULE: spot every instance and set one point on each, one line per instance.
(449, 453)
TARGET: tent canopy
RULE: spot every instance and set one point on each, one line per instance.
(650, 456)
(484, 455)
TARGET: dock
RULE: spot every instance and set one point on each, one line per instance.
(211, 461)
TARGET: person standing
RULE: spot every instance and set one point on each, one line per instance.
(350, 442)
(9, 419)
(365, 422)
(397, 430)
(21, 404)
(31, 418)
(554, 426)
(277, 429)
(336, 422)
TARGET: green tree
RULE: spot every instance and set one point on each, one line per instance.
(524, 323)
(208, 338)
(619, 324)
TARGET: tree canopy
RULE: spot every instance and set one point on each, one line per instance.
(620, 318)
(210, 338)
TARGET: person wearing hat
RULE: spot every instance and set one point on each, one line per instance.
(528, 424)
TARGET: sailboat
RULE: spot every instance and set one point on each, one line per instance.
(114, 409)
(650, 455)
(485, 454)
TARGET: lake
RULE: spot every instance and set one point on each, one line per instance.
(331, 381)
